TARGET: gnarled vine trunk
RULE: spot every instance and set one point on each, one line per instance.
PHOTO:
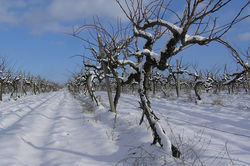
(90, 89)
(159, 134)
(196, 90)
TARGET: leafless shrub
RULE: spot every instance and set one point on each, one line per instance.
(217, 101)
(139, 156)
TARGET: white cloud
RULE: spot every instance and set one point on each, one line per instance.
(50, 27)
(76, 9)
(244, 36)
(55, 15)
(6, 15)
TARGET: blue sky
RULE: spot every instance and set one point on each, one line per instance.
(32, 35)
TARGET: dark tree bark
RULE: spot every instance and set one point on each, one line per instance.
(196, 89)
(1, 91)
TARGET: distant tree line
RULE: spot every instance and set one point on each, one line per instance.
(18, 84)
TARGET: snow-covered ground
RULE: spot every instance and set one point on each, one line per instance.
(215, 132)
(57, 129)
(50, 130)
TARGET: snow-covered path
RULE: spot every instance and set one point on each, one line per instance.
(55, 129)
(50, 129)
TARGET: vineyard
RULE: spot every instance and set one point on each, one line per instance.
(156, 82)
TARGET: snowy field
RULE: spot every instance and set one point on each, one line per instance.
(57, 129)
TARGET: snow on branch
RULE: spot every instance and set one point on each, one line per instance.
(93, 66)
(154, 56)
(164, 47)
(234, 77)
(142, 33)
(133, 71)
(195, 39)
(196, 75)
(127, 62)
(173, 28)
(130, 72)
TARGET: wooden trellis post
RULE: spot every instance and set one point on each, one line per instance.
(178, 85)
(105, 70)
